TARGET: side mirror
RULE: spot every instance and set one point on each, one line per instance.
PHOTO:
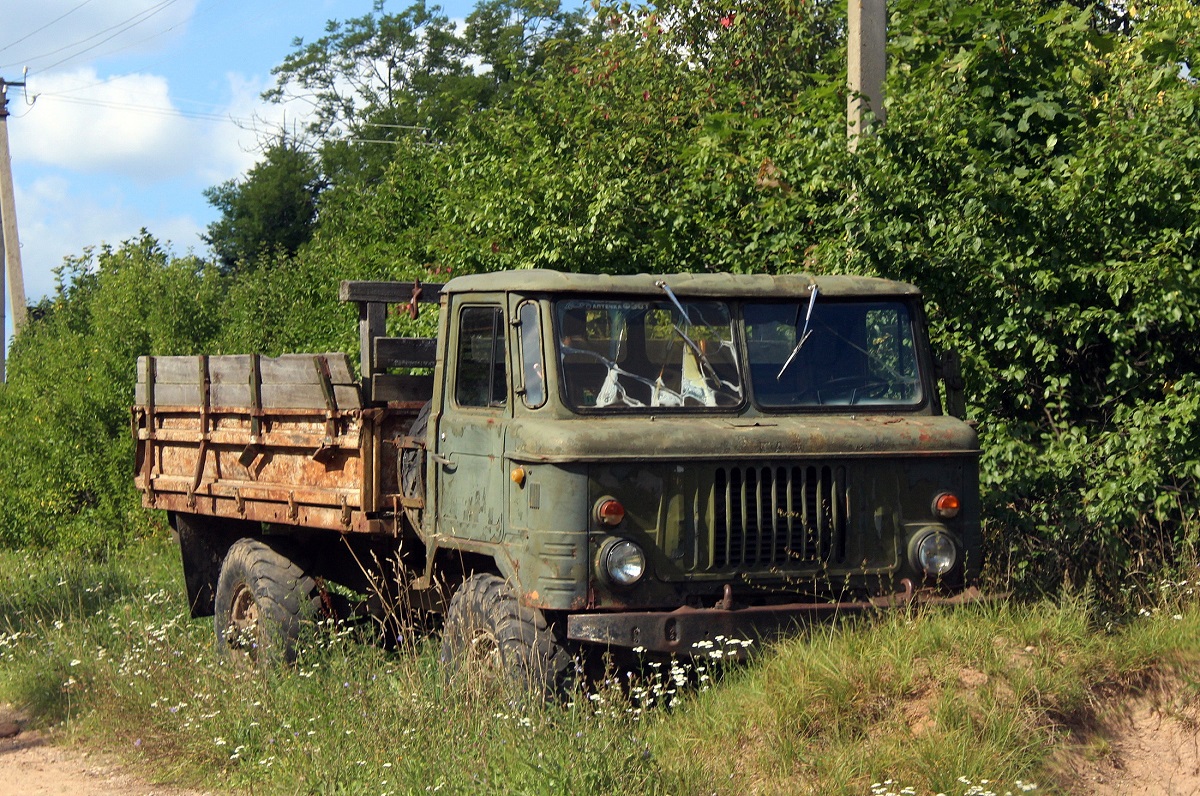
(950, 372)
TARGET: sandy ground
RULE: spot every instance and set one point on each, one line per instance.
(29, 766)
(1151, 750)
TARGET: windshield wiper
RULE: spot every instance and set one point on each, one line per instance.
(662, 284)
(701, 357)
(812, 301)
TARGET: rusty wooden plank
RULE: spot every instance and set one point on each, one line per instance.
(274, 439)
(326, 517)
(389, 292)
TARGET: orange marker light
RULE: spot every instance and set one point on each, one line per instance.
(946, 505)
(518, 476)
(610, 512)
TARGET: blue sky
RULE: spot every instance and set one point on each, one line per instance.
(137, 107)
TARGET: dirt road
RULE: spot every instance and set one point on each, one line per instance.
(29, 766)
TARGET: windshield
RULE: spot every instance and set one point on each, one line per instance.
(853, 353)
(633, 355)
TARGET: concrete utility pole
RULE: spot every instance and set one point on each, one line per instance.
(866, 43)
(10, 255)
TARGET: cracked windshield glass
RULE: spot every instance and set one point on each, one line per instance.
(631, 355)
(832, 354)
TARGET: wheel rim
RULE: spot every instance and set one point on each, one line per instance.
(244, 621)
(483, 651)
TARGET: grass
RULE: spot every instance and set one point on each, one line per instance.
(974, 700)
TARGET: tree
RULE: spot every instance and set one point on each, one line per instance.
(382, 79)
(273, 209)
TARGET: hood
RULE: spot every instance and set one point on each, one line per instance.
(645, 438)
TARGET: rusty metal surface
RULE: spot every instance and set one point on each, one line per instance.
(700, 631)
(280, 440)
(291, 471)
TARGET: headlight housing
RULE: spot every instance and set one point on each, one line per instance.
(934, 553)
(623, 562)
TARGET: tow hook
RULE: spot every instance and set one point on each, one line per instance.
(726, 601)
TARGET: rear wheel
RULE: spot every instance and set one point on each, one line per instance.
(491, 639)
(263, 601)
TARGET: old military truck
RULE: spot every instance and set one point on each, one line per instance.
(629, 462)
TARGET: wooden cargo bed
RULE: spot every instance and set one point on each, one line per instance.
(282, 440)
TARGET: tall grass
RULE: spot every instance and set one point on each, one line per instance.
(972, 700)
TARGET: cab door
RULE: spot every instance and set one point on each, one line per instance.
(470, 445)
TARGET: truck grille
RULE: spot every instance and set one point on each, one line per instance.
(784, 516)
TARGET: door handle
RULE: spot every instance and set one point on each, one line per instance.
(444, 461)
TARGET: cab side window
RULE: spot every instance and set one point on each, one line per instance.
(480, 380)
(532, 366)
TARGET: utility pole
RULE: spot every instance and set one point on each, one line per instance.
(10, 255)
(867, 61)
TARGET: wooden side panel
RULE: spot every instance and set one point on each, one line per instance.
(402, 389)
(230, 376)
(277, 439)
(405, 352)
(290, 381)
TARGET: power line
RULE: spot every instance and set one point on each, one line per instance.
(154, 110)
(43, 27)
(202, 9)
(121, 27)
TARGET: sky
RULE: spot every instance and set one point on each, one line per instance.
(132, 108)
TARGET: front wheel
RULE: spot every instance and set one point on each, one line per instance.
(489, 635)
(262, 602)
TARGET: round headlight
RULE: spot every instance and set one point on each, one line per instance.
(936, 554)
(624, 562)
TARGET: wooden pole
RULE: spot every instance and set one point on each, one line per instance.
(11, 259)
(867, 62)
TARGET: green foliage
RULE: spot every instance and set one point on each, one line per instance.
(384, 80)
(272, 210)
(1044, 193)
(1037, 176)
(66, 451)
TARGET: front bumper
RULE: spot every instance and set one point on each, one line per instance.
(704, 631)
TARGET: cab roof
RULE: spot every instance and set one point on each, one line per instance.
(719, 285)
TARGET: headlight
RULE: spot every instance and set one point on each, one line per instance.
(934, 553)
(624, 562)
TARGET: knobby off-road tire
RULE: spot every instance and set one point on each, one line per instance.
(490, 639)
(263, 601)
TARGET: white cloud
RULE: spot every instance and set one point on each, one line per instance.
(61, 217)
(126, 124)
